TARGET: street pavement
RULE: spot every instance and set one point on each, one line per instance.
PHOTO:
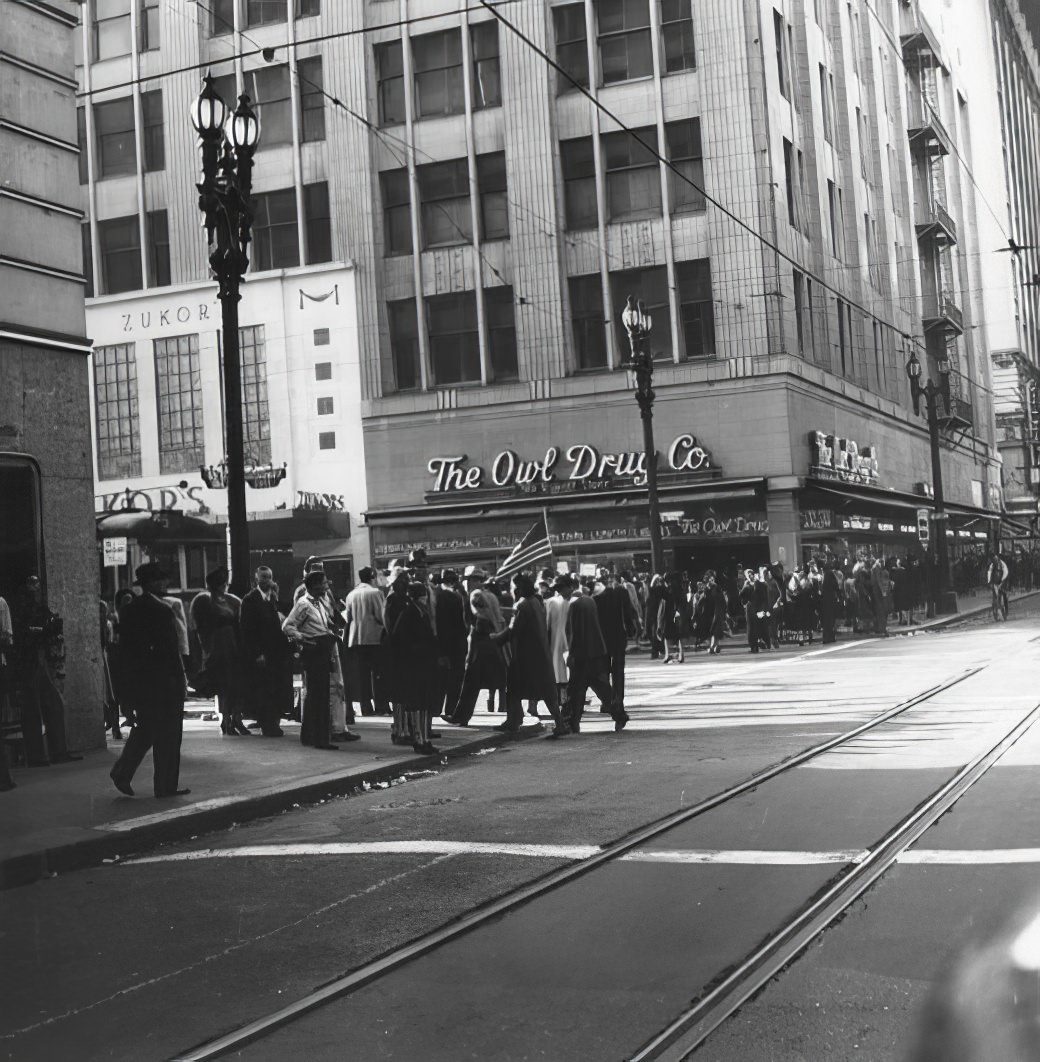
(146, 958)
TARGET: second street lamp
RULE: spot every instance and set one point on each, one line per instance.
(227, 142)
(945, 600)
(637, 324)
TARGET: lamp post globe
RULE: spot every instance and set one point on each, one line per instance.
(208, 111)
(242, 128)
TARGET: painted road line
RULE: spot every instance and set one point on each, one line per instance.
(970, 857)
(544, 851)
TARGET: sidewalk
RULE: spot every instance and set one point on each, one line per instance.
(69, 816)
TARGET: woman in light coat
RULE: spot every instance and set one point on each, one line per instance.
(556, 620)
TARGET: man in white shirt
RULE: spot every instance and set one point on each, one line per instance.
(364, 613)
(310, 625)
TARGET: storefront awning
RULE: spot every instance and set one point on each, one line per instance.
(860, 492)
(148, 526)
(1015, 529)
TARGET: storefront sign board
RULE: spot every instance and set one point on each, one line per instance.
(114, 552)
(817, 519)
(835, 457)
(580, 467)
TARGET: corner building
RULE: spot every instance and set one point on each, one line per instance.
(816, 220)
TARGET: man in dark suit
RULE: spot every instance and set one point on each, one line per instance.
(451, 640)
(587, 658)
(266, 654)
(617, 622)
(155, 686)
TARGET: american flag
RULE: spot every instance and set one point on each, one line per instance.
(532, 547)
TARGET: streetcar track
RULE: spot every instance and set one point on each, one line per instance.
(679, 1041)
(398, 957)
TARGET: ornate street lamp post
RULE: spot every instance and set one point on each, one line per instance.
(637, 324)
(227, 142)
(945, 600)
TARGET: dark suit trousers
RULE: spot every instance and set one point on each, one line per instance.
(370, 669)
(616, 669)
(159, 728)
(42, 706)
(451, 678)
(317, 717)
(515, 708)
(271, 692)
(585, 674)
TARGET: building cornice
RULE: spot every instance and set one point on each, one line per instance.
(41, 203)
(39, 71)
(49, 11)
(36, 267)
(35, 134)
(41, 337)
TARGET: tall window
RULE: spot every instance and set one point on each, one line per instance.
(590, 340)
(404, 343)
(148, 25)
(780, 36)
(269, 87)
(115, 406)
(454, 343)
(685, 154)
(832, 206)
(256, 419)
(390, 82)
(571, 46)
(799, 308)
(111, 29)
(650, 285)
(180, 403)
(623, 36)
(696, 310)
(501, 332)
(789, 179)
(633, 174)
(487, 83)
(444, 203)
(677, 36)
(88, 260)
(579, 182)
(842, 340)
(312, 101)
(318, 219)
(826, 104)
(397, 215)
(437, 59)
(120, 240)
(116, 141)
(275, 234)
(158, 231)
(152, 114)
(491, 183)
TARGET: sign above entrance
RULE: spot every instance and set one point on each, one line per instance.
(833, 457)
(180, 497)
(114, 550)
(578, 468)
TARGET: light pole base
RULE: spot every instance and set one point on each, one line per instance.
(945, 603)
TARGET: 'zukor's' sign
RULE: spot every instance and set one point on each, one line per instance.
(576, 468)
(833, 457)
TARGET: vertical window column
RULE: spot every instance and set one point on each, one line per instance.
(116, 412)
(179, 387)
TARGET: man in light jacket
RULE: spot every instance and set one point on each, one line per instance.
(365, 635)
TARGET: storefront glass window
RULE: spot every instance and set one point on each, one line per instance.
(200, 559)
(21, 526)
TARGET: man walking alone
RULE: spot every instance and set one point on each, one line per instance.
(154, 686)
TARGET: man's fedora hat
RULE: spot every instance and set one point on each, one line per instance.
(149, 573)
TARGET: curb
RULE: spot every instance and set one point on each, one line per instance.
(959, 617)
(92, 851)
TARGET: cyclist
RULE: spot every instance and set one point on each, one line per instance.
(997, 578)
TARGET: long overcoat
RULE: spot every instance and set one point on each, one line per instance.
(530, 674)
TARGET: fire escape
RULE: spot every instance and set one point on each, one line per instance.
(936, 230)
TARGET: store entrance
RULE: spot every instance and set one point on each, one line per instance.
(721, 557)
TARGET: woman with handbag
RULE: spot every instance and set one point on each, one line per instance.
(215, 614)
(673, 617)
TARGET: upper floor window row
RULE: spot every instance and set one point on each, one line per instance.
(624, 48)
(439, 83)
(257, 13)
(632, 177)
(111, 31)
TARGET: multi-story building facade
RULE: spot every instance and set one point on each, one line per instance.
(1005, 87)
(156, 382)
(781, 183)
(46, 528)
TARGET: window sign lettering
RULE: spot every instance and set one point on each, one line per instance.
(322, 503)
(834, 457)
(558, 471)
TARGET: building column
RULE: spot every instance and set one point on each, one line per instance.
(784, 524)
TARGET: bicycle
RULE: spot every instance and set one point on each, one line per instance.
(999, 604)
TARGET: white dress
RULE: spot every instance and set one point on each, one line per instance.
(556, 619)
